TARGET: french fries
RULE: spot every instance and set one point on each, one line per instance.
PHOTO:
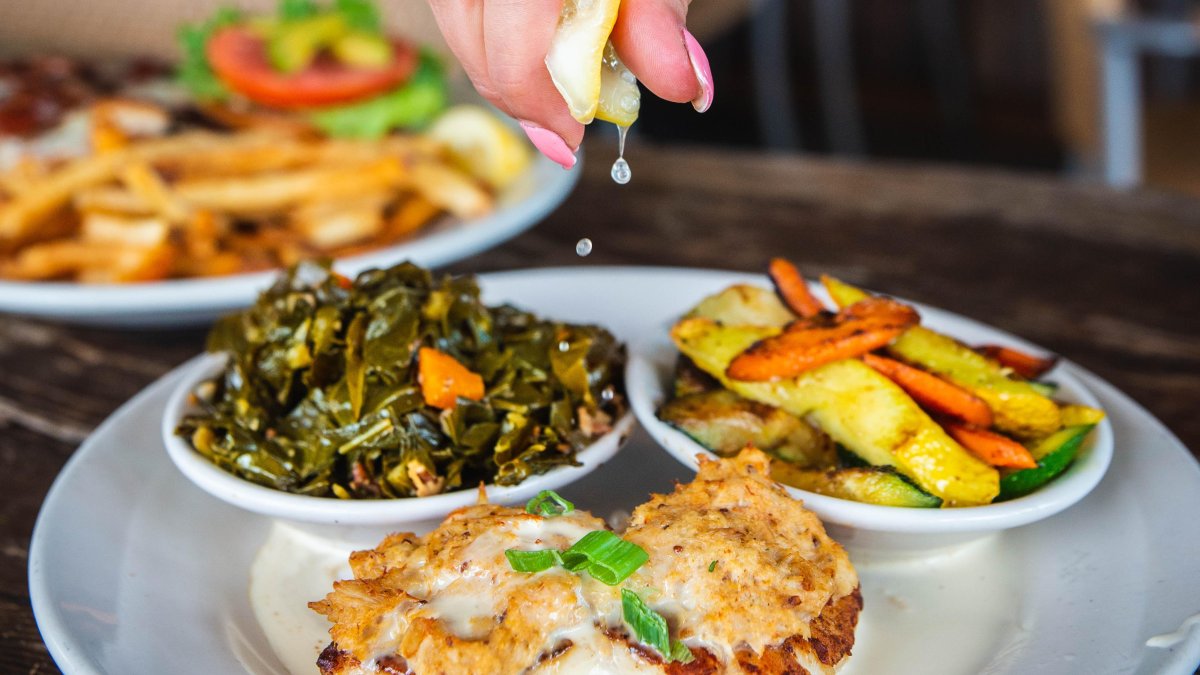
(144, 206)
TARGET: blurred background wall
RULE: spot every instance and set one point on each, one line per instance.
(1015, 83)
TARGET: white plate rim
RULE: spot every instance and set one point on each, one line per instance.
(64, 648)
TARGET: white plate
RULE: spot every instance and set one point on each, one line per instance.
(195, 301)
(133, 569)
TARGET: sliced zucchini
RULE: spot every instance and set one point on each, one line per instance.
(743, 304)
(847, 459)
(1047, 389)
(725, 423)
(688, 379)
(856, 406)
(871, 485)
(1053, 454)
(1020, 409)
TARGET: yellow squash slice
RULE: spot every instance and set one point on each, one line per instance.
(1019, 408)
(856, 406)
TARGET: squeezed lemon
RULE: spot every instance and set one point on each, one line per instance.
(619, 99)
(586, 69)
(588, 73)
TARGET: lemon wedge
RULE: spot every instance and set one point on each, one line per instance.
(482, 145)
(585, 67)
(620, 99)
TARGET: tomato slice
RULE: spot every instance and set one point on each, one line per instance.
(239, 58)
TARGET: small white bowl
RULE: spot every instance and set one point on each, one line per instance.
(870, 531)
(357, 522)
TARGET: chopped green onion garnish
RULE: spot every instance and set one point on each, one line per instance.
(650, 628)
(607, 557)
(680, 652)
(548, 503)
(532, 561)
(712, 565)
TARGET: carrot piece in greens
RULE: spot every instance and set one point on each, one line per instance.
(792, 288)
(444, 380)
(991, 447)
(932, 392)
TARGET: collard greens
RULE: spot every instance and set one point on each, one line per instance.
(320, 395)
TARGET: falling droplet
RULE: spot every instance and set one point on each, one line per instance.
(620, 168)
(620, 171)
(583, 247)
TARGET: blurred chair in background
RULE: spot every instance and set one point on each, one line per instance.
(832, 38)
(1113, 132)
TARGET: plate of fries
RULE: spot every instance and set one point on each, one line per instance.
(149, 228)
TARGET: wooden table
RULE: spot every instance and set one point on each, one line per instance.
(1109, 280)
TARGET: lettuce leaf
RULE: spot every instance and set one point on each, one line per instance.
(194, 73)
(288, 10)
(359, 14)
(412, 105)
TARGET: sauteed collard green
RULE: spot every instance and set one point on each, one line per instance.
(321, 395)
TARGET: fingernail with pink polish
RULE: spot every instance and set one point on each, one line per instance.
(549, 144)
(703, 73)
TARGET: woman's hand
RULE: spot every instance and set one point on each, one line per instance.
(502, 44)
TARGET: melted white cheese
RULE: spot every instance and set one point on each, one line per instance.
(467, 615)
(466, 595)
(592, 653)
(291, 568)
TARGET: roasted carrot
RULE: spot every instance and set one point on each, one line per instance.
(991, 447)
(932, 392)
(792, 288)
(444, 380)
(805, 344)
(880, 311)
(1027, 366)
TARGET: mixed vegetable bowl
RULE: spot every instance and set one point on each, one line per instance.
(863, 402)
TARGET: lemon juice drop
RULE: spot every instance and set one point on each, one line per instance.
(620, 169)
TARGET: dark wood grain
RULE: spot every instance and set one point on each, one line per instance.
(1110, 280)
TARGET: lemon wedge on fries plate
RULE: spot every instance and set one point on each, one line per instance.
(482, 145)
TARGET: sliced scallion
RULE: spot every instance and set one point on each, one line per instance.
(650, 628)
(680, 652)
(607, 557)
(532, 561)
(549, 503)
